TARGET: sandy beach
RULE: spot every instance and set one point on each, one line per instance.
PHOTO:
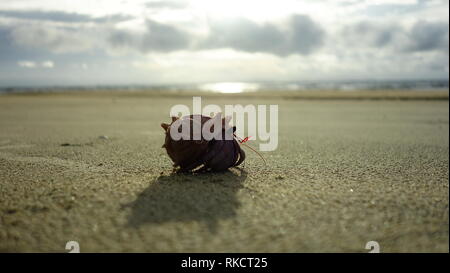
(89, 167)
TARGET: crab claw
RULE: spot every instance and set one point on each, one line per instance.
(165, 126)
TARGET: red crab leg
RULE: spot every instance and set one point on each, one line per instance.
(242, 141)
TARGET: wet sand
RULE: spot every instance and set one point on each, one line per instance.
(346, 172)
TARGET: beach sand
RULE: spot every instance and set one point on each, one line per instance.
(346, 172)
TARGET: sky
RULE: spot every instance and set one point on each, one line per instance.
(119, 42)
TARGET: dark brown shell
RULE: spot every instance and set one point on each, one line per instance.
(212, 155)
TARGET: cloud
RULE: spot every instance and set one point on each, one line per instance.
(301, 35)
(199, 41)
(426, 36)
(59, 16)
(31, 64)
(26, 64)
(47, 64)
(169, 4)
(156, 38)
(369, 34)
(162, 37)
(10, 52)
(245, 35)
(421, 37)
(306, 35)
(55, 39)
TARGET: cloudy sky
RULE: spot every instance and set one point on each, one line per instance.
(85, 42)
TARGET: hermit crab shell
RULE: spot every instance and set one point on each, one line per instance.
(194, 151)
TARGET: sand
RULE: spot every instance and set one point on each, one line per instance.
(346, 172)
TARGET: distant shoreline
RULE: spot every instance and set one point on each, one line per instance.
(245, 86)
(295, 95)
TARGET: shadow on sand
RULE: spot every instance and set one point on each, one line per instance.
(204, 198)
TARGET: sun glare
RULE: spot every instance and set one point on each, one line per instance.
(229, 87)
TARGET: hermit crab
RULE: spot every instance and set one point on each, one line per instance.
(191, 150)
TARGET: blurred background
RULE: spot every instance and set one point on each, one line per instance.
(224, 46)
